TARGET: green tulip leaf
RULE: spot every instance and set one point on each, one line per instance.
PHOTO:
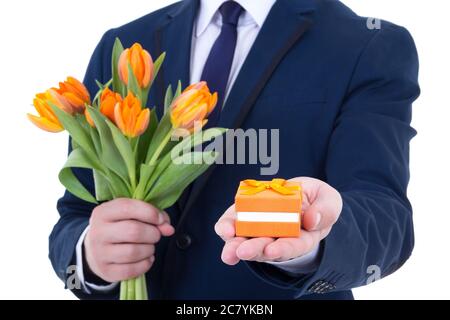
(95, 137)
(73, 144)
(146, 173)
(185, 146)
(178, 91)
(118, 86)
(76, 159)
(125, 150)
(162, 131)
(118, 188)
(177, 177)
(146, 138)
(157, 67)
(161, 165)
(196, 139)
(75, 130)
(102, 187)
(168, 99)
(110, 156)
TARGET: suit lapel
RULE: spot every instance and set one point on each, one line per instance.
(283, 28)
(175, 37)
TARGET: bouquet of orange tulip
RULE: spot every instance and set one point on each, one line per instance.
(130, 152)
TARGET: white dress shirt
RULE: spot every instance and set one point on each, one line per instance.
(206, 30)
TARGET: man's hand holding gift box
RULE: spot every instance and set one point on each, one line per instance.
(264, 224)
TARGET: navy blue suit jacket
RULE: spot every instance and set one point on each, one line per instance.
(341, 95)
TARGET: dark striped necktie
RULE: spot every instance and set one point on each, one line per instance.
(218, 65)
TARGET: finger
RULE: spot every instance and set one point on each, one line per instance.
(311, 219)
(166, 217)
(166, 230)
(229, 251)
(253, 249)
(128, 209)
(285, 249)
(129, 253)
(320, 216)
(225, 227)
(120, 272)
(325, 207)
(133, 232)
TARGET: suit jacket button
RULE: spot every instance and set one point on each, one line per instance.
(184, 241)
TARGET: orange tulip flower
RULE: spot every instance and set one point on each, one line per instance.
(71, 96)
(75, 95)
(192, 107)
(108, 102)
(141, 63)
(47, 119)
(130, 118)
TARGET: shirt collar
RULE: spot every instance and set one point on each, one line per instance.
(258, 10)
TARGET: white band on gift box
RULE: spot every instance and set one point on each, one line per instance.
(269, 217)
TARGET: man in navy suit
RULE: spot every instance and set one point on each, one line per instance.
(337, 86)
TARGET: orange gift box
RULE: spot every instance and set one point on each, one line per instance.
(268, 209)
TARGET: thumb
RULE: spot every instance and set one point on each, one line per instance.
(324, 210)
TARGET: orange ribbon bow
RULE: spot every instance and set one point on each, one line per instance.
(277, 185)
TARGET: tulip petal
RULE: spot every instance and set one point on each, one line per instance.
(142, 122)
(123, 66)
(184, 100)
(81, 89)
(106, 93)
(108, 101)
(44, 110)
(197, 114)
(65, 87)
(45, 124)
(190, 109)
(107, 107)
(212, 103)
(148, 68)
(136, 62)
(118, 117)
(59, 101)
(77, 103)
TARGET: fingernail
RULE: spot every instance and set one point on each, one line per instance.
(318, 218)
(161, 218)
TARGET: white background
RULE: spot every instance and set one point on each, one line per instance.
(44, 41)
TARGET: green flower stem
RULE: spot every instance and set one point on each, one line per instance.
(140, 287)
(133, 183)
(123, 290)
(136, 289)
(134, 142)
(131, 289)
(144, 284)
(161, 147)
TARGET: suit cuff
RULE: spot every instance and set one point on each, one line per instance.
(87, 286)
(301, 265)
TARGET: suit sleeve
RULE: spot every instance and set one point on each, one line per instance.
(74, 212)
(368, 163)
